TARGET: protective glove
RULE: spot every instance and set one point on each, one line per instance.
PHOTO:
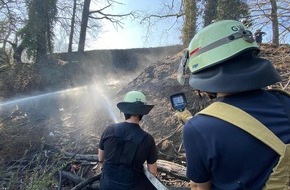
(184, 115)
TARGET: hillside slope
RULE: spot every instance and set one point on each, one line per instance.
(74, 124)
(159, 81)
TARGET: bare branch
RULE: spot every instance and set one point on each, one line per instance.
(161, 16)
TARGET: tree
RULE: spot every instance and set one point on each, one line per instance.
(170, 12)
(275, 24)
(210, 12)
(37, 34)
(84, 25)
(224, 9)
(99, 14)
(283, 13)
(72, 27)
(12, 16)
(272, 16)
(213, 10)
(231, 9)
(189, 27)
(67, 25)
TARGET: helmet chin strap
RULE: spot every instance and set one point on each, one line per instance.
(212, 95)
(209, 95)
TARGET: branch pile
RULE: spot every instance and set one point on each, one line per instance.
(76, 171)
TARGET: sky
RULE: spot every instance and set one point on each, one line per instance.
(133, 34)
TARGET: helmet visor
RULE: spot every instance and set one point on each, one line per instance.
(182, 69)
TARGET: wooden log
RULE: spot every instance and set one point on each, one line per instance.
(72, 177)
(176, 170)
(171, 168)
(86, 182)
(88, 157)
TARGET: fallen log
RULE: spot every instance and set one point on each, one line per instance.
(86, 182)
(176, 170)
(87, 157)
(74, 178)
(170, 168)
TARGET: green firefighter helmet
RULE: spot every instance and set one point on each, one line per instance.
(218, 42)
(135, 103)
(223, 57)
(135, 96)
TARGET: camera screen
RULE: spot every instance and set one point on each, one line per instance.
(178, 100)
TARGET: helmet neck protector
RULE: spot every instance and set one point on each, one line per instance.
(242, 73)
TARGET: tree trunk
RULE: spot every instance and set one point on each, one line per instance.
(210, 12)
(189, 26)
(72, 26)
(17, 52)
(275, 24)
(84, 24)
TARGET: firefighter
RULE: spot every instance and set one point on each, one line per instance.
(224, 64)
(124, 148)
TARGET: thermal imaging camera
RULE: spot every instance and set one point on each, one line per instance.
(178, 101)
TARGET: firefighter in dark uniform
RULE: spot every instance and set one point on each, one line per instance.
(125, 147)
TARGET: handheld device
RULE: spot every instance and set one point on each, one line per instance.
(178, 101)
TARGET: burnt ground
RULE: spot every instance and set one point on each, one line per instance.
(33, 133)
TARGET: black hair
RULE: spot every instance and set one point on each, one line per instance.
(127, 116)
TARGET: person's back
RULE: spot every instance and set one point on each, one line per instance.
(221, 155)
(237, 159)
(124, 148)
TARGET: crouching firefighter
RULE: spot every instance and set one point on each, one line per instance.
(124, 148)
(241, 141)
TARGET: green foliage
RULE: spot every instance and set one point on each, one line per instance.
(5, 80)
(37, 34)
(189, 27)
(39, 172)
(231, 9)
(23, 78)
(41, 179)
(224, 9)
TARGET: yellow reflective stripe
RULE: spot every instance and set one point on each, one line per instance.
(246, 122)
